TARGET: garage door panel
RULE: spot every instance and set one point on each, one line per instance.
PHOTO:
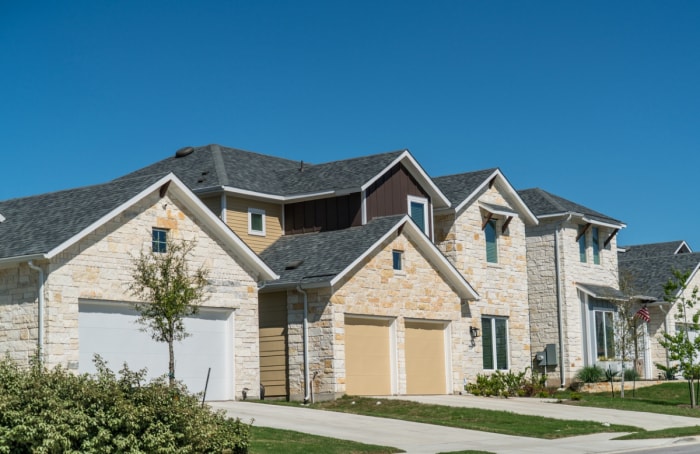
(111, 331)
(367, 357)
(425, 358)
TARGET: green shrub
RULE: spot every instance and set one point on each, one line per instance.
(590, 374)
(631, 375)
(508, 384)
(56, 411)
(575, 396)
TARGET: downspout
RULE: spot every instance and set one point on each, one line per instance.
(305, 336)
(42, 304)
(560, 311)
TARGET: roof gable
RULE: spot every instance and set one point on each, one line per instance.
(45, 225)
(639, 251)
(325, 258)
(464, 189)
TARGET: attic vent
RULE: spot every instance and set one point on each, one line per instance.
(182, 152)
(293, 265)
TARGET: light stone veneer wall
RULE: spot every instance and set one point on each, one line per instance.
(542, 288)
(656, 325)
(98, 268)
(417, 292)
(502, 286)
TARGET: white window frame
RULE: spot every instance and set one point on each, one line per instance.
(423, 201)
(254, 211)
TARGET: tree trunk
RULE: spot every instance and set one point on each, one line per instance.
(622, 379)
(171, 364)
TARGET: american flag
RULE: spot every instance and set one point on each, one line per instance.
(643, 313)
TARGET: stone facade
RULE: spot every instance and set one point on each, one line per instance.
(542, 284)
(98, 268)
(502, 286)
(375, 289)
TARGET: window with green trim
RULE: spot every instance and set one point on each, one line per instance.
(595, 242)
(582, 244)
(494, 335)
(490, 234)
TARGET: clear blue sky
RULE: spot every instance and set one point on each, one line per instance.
(596, 101)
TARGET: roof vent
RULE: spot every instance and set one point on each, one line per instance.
(293, 265)
(182, 152)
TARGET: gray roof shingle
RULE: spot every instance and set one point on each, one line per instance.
(640, 251)
(213, 166)
(36, 225)
(458, 187)
(323, 255)
(647, 276)
(544, 203)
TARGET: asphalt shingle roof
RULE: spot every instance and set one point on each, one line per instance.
(458, 187)
(215, 166)
(641, 251)
(647, 276)
(323, 255)
(543, 203)
(38, 224)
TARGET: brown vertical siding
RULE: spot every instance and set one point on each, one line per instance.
(389, 194)
(323, 214)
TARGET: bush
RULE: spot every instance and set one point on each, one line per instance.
(508, 384)
(56, 411)
(590, 374)
(631, 375)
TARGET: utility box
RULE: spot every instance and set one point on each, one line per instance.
(548, 356)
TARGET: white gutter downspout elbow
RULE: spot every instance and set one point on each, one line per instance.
(307, 387)
(42, 304)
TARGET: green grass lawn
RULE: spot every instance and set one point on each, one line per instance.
(469, 418)
(265, 440)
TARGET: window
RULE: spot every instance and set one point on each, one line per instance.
(397, 257)
(494, 334)
(256, 221)
(582, 243)
(596, 245)
(159, 240)
(491, 245)
(418, 210)
(605, 334)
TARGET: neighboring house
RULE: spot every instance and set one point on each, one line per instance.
(647, 268)
(572, 283)
(483, 234)
(65, 267)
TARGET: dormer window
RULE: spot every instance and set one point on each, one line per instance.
(256, 221)
(159, 240)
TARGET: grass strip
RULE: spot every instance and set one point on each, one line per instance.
(675, 432)
(273, 441)
(502, 422)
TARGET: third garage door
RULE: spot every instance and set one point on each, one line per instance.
(425, 357)
(367, 356)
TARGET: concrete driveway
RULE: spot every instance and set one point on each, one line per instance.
(426, 438)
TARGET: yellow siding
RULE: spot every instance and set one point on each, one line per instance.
(237, 219)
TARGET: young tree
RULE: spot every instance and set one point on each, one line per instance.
(169, 292)
(683, 347)
(628, 336)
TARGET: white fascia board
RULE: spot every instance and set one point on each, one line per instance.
(521, 206)
(427, 248)
(691, 276)
(683, 243)
(438, 198)
(603, 224)
(10, 261)
(279, 198)
(2, 218)
(193, 203)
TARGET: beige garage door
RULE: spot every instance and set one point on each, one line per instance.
(367, 357)
(273, 343)
(425, 358)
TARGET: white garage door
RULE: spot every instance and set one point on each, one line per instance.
(110, 330)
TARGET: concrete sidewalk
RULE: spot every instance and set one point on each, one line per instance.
(423, 438)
